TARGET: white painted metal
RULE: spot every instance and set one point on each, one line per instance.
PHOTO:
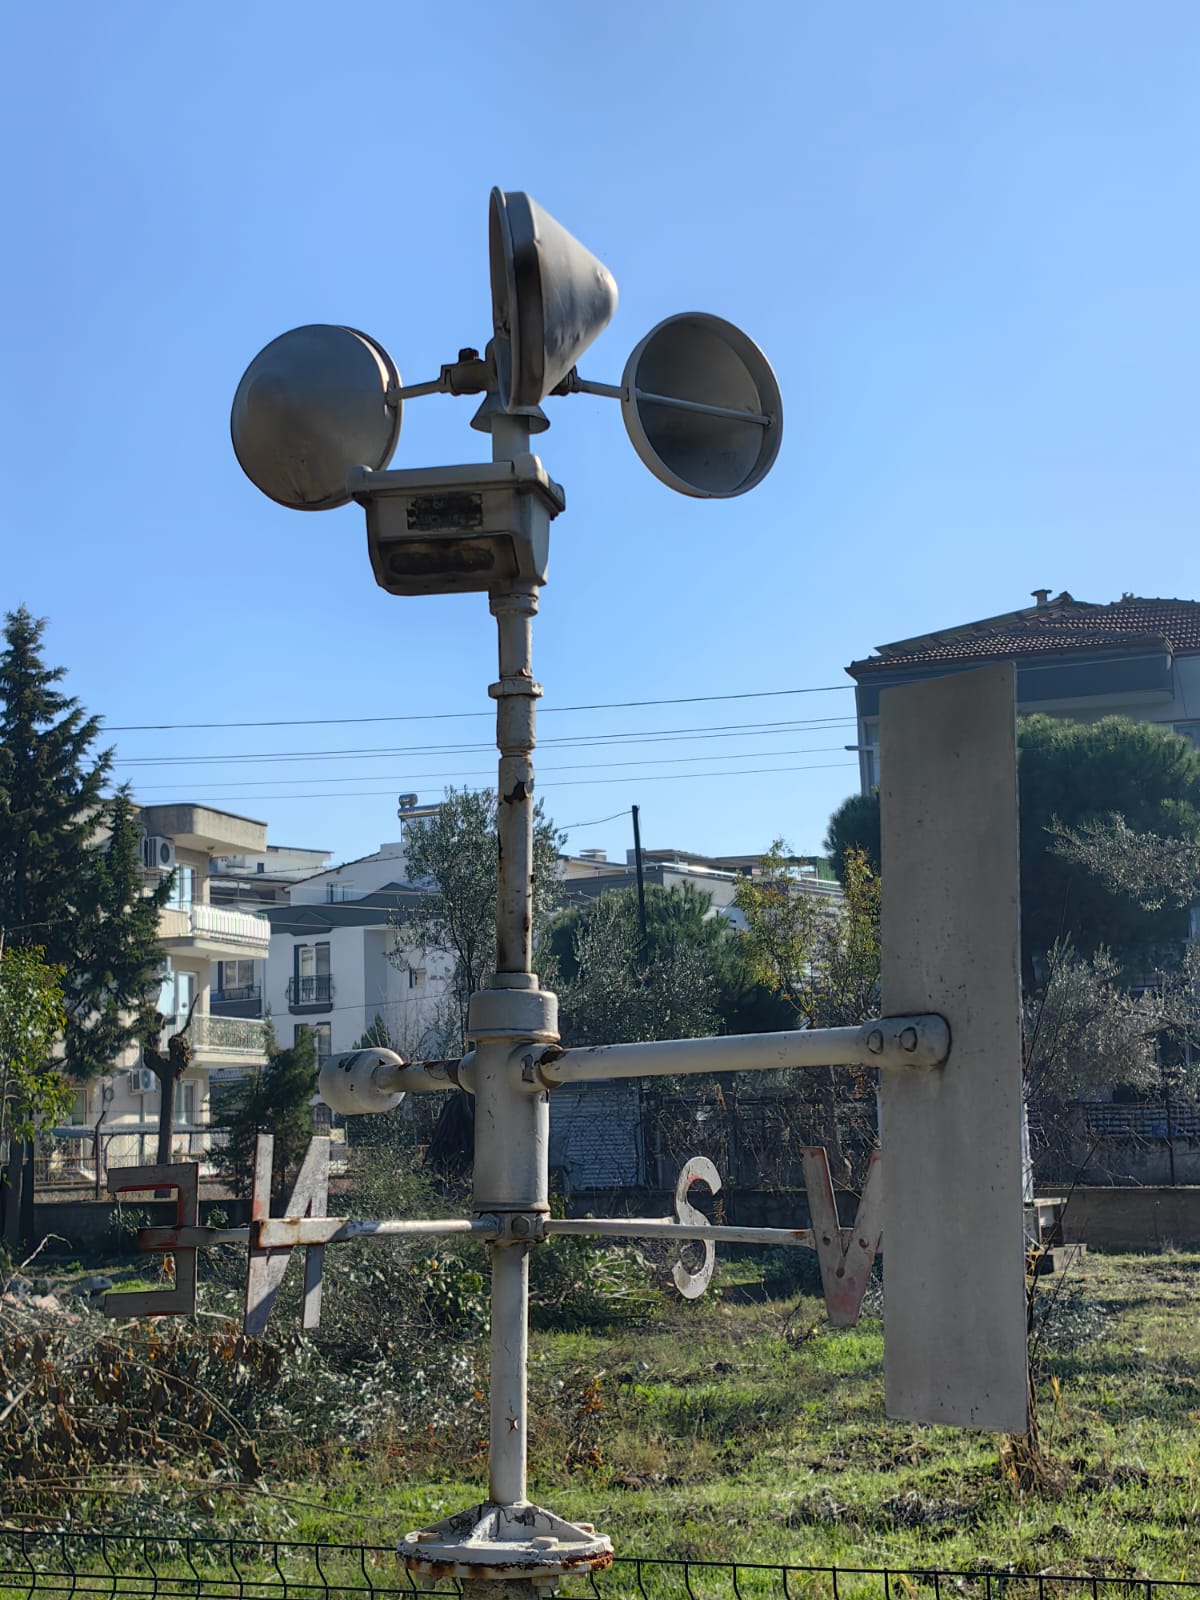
(509, 1364)
(351, 1083)
(954, 1286)
(286, 1233)
(896, 1042)
(669, 1228)
(845, 1255)
(699, 1169)
(515, 1543)
(265, 1266)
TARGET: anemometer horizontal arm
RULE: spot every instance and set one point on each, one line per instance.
(667, 1228)
(373, 1080)
(908, 1043)
(574, 384)
(286, 1233)
(283, 1233)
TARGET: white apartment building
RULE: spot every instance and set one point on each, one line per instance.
(199, 940)
(339, 959)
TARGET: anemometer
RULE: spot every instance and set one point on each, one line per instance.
(315, 422)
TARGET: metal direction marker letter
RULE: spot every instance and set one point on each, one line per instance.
(265, 1266)
(699, 1169)
(179, 1301)
(845, 1255)
(954, 1300)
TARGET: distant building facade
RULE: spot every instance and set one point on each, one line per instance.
(199, 939)
(1134, 657)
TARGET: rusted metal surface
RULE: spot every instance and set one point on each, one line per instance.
(159, 1241)
(265, 1264)
(845, 1255)
(180, 1299)
(286, 1233)
(506, 1542)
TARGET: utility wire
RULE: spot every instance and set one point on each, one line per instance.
(565, 783)
(447, 716)
(489, 772)
(570, 827)
(720, 730)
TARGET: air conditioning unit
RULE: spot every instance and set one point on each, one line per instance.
(142, 1080)
(158, 853)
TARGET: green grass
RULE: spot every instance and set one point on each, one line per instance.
(753, 1431)
(731, 1428)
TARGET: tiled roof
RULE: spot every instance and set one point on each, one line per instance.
(1063, 624)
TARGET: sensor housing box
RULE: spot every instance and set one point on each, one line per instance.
(458, 530)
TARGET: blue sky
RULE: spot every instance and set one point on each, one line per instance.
(965, 235)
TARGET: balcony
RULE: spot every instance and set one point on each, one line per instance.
(242, 1000)
(311, 994)
(234, 1039)
(214, 931)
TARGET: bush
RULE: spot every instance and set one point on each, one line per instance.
(124, 1223)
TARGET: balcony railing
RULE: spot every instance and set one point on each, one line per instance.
(231, 927)
(311, 991)
(228, 1036)
(65, 1157)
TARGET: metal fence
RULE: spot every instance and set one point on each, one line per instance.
(114, 1564)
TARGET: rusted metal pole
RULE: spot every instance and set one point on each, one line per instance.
(514, 609)
(511, 1128)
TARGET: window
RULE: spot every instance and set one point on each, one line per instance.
(78, 1113)
(183, 890)
(312, 960)
(235, 979)
(311, 984)
(187, 1100)
(175, 994)
(336, 893)
(322, 1036)
(416, 977)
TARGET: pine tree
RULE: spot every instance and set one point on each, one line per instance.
(117, 958)
(70, 880)
(51, 797)
(277, 1100)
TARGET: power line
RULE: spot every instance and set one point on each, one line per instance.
(565, 783)
(569, 827)
(725, 730)
(448, 716)
(489, 773)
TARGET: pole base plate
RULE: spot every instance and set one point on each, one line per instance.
(499, 1542)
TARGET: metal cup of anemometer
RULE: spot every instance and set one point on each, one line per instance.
(315, 421)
